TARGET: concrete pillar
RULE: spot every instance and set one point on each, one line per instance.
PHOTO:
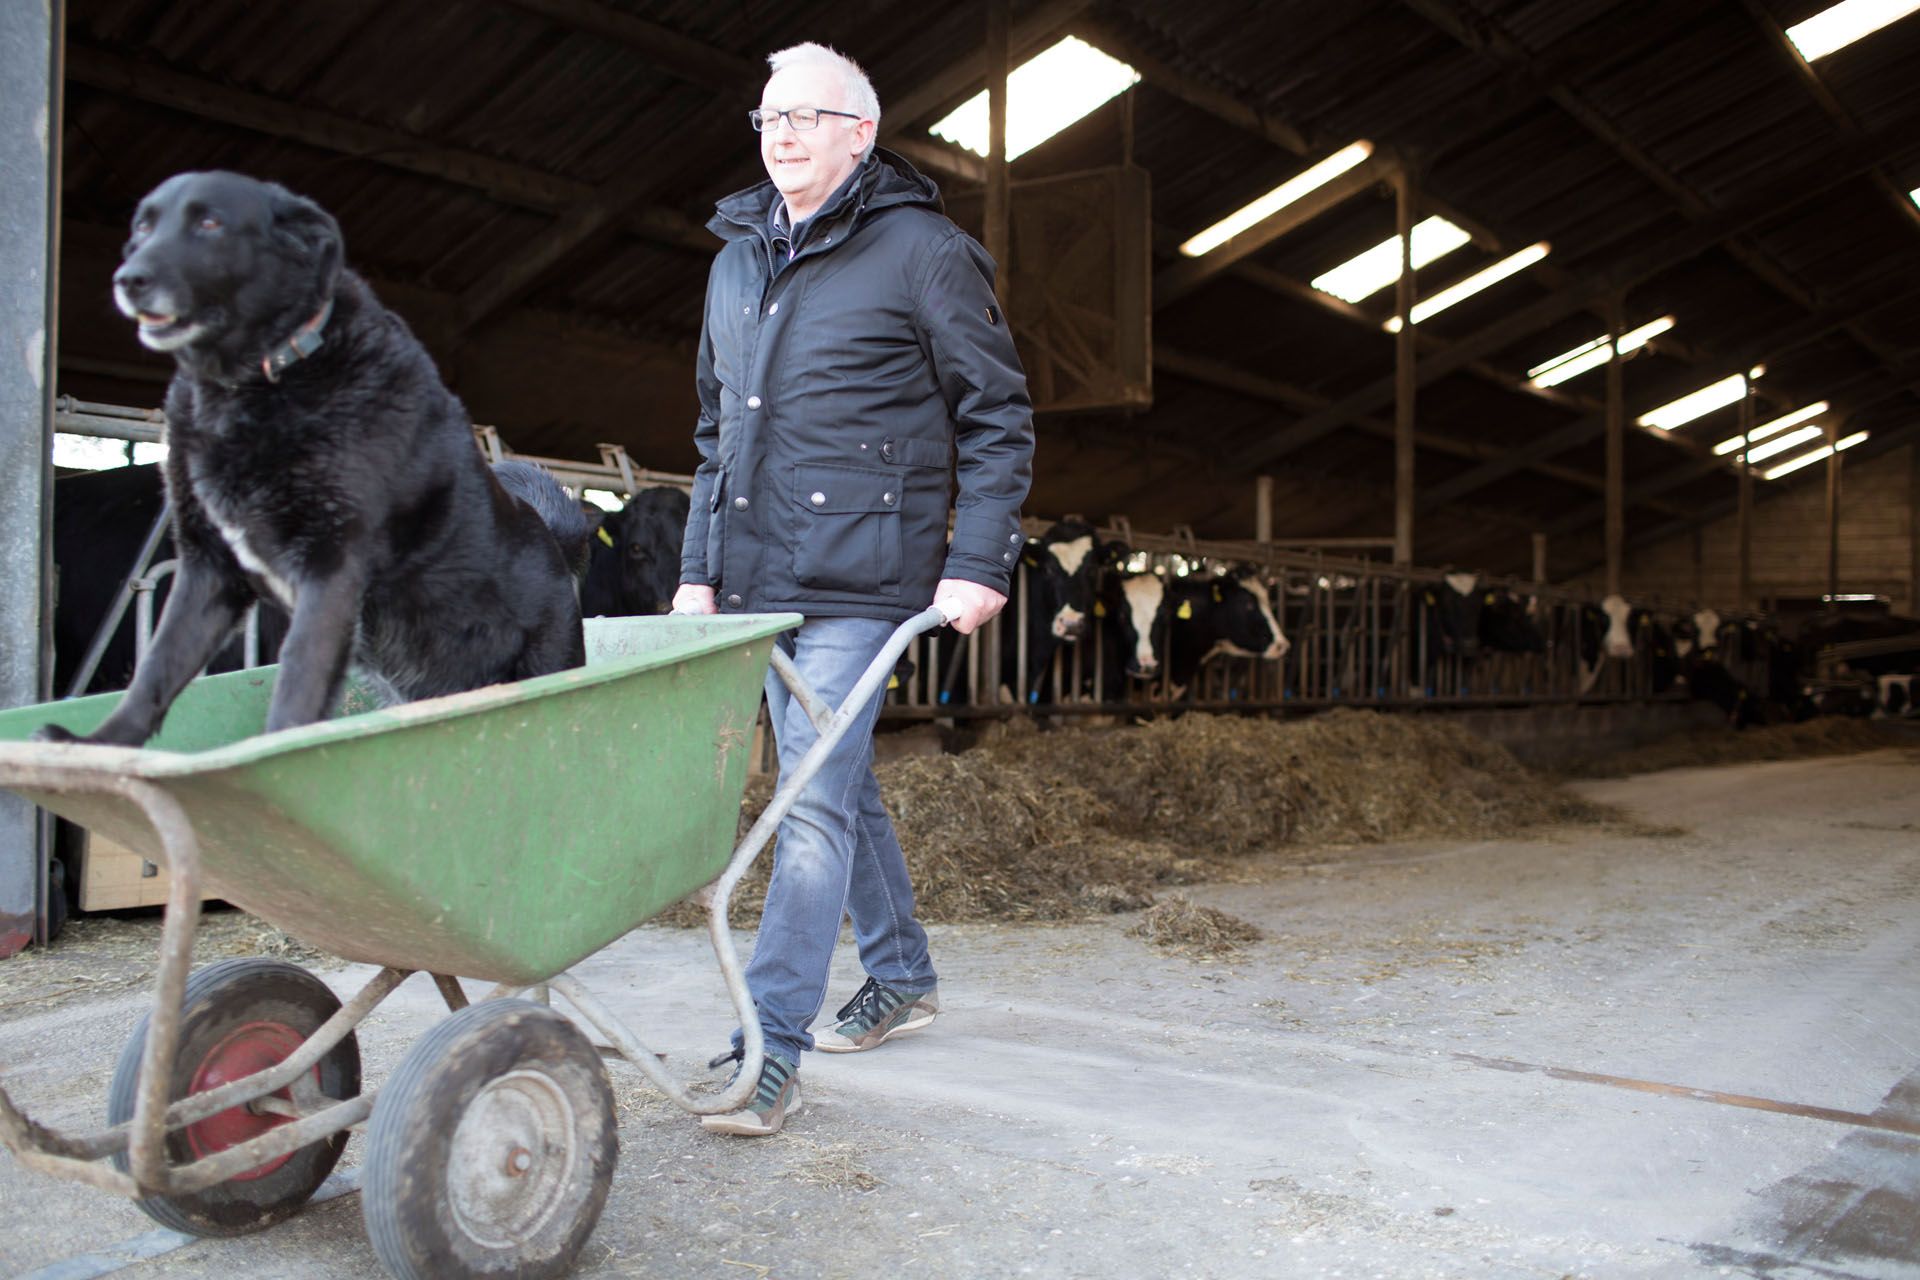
(29, 249)
(1745, 576)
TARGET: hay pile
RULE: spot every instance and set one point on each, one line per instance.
(1824, 736)
(1178, 924)
(1085, 821)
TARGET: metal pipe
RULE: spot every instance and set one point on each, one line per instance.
(1743, 590)
(1833, 515)
(1405, 384)
(997, 231)
(129, 587)
(1616, 444)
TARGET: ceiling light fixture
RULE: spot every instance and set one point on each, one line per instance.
(1841, 25)
(1591, 355)
(1365, 274)
(1732, 443)
(1291, 191)
(1814, 455)
(1677, 413)
(1487, 276)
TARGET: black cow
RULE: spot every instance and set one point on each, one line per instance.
(1895, 700)
(1604, 632)
(1450, 610)
(100, 522)
(1059, 571)
(1508, 623)
(634, 563)
(1199, 618)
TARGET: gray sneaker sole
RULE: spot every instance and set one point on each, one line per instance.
(826, 1045)
(747, 1124)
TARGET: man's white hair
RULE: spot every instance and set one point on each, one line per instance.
(859, 90)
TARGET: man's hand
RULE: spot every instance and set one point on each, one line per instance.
(969, 604)
(692, 597)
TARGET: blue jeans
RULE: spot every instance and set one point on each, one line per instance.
(837, 854)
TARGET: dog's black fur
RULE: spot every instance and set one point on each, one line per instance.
(345, 485)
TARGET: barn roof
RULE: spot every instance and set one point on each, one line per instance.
(512, 173)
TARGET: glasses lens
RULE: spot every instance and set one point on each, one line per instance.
(804, 117)
(758, 119)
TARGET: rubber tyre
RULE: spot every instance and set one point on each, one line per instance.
(238, 1017)
(491, 1149)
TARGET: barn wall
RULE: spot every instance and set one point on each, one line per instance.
(1879, 542)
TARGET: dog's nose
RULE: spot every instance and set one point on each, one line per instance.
(131, 278)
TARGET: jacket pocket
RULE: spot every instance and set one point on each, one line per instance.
(716, 529)
(847, 532)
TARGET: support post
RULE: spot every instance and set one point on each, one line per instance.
(1616, 445)
(1913, 530)
(1405, 386)
(30, 83)
(1833, 517)
(1539, 559)
(1263, 509)
(998, 231)
(1744, 596)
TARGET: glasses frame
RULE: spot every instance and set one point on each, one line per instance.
(754, 118)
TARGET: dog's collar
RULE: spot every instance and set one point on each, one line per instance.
(305, 341)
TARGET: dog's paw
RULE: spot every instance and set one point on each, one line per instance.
(54, 733)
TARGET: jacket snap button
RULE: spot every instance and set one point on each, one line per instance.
(746, 311)
(753, 402)
(775, 307)
(739, 504)
(886, 450)
(887, 498)
(1007, 556)
(1013, 537)
(819, 499)
(734, 601)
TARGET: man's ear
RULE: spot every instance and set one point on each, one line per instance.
(313, 233)
(863, 136)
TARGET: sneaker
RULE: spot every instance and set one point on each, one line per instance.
(876, 1015)
(777, 1098)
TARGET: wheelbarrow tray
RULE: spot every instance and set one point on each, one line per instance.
(502, 834)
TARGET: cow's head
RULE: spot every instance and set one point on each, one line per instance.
(1068, 560)
(1243, 616)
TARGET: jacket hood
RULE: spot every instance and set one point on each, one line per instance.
(883, 180)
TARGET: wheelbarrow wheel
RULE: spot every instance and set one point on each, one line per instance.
(239, 1017)
(491, 1149)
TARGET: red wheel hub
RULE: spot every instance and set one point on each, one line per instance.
(250, 1048)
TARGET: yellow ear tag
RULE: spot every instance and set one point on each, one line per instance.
(893, 682)
(1185, 611)
(1216, 593)
(1099, 609)
(604, 536)
(1430, 599)
(1487, 598)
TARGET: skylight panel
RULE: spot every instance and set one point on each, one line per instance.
(1791, 440)
(1732, 443)
(1289, 192)
(1484, 278)
(1045, 94)
(1677, 413)
(1591, 355)
(96, 453)
(1365, 274)
(1841, 25)
(1815, 455)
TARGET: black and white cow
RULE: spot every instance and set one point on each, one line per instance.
(633, 566)
(1894, 698)
(1202, 618)
(1604, 633)
(1510, 622)
(1451, 612)
(1059, 569)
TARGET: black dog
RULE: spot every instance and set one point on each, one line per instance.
(316, 459)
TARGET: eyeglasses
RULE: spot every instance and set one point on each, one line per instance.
(801, 118)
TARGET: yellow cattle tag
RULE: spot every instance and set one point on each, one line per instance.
(1099, 609)
(1185, 611)
(604, 537)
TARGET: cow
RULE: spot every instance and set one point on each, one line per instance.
(1201, 618)
(1509, 622)
(1451, 610)
(1059, 569)
(1604, 633)
(1895, 698)
(1709, 680)
(100, 522)
(634, 563)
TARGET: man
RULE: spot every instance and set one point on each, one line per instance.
(852, 362)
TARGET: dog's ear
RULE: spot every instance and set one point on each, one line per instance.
(312, 232)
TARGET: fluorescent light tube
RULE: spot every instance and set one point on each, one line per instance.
(1045, 94)
(1814, 455)
(1791, 440)
(1781, 423)
(1365, 274)
(1841, 25)
(1591, 355)
(1677, 413)
(1289, 192)
(1491, 274)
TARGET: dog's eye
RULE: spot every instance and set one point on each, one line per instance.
(210, 223)
(143, 227)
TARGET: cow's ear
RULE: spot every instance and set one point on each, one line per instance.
(312, 233)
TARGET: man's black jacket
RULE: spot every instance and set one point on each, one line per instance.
(840, 395)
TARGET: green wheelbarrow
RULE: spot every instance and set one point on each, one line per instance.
(502, 835)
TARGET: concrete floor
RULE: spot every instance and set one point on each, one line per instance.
(1580, 1054)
